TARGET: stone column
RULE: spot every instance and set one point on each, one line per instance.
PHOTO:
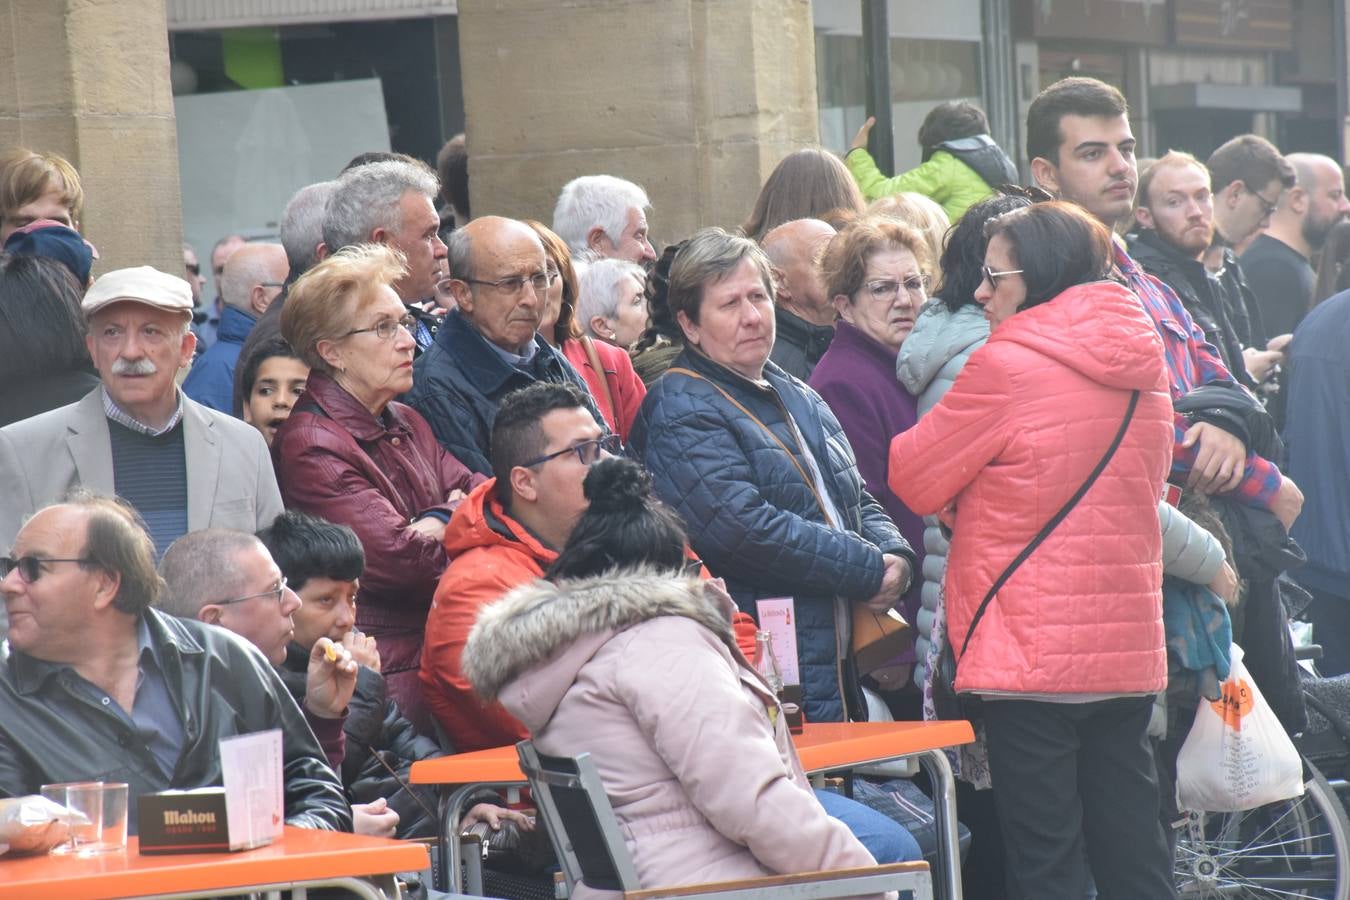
(696, 100)
(89, 79)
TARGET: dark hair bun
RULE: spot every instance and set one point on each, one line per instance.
(617, 485)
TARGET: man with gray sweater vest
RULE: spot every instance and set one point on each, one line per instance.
(182, 466)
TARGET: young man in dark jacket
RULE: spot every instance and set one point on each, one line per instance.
(96, 684)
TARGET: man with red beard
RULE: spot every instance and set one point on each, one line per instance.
(1175, 226)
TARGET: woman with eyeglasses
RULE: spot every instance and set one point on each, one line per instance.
(874, 271)
(607, 369)
(1047, 458)
(351, 454)
(762, 473)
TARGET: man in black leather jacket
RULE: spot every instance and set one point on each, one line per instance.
(97, 685)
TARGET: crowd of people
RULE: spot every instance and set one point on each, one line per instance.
(435, 483)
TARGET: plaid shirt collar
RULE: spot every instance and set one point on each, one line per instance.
(121, 417)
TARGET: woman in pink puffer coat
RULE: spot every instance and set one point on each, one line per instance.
(1070, 651)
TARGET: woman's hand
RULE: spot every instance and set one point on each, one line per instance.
(363, 649)
(893, 581)
(428, 526)
(860, 139)
(494, 815)
(1225, 584)
(330, 679)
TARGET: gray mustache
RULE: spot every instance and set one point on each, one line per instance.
(123, 366)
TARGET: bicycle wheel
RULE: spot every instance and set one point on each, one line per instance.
(1296, 848)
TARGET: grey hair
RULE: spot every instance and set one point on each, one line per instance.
(709, 256)
(593, 200)
(367, 197)
(459, 254)
(302, 225)
(200, 568)
(598, 294)
(241, 273)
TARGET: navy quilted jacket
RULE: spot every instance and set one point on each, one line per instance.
(754, 521)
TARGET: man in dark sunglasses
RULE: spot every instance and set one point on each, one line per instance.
(96, 682)
(505, 534)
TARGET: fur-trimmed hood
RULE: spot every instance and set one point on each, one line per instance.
(526, 649)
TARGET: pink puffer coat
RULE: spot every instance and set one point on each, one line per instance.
(1018, 433)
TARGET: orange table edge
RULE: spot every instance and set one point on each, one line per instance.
(821, 747)
(302, 854)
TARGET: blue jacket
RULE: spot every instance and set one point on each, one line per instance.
(460, 380)
(211, 381)
(755, 522)
(1317, 439)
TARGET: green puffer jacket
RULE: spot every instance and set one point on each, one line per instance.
(953, 182)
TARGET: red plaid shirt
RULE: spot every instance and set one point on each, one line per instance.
(1192, 361)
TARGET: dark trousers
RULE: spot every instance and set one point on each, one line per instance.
(1077, 797)
(1330, 615)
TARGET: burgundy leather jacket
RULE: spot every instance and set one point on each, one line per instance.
(335, 459)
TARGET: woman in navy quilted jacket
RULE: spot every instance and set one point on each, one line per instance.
(761, 472)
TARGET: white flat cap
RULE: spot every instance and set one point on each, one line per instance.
(142, 284)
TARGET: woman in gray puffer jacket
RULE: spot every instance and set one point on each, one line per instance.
(947, 331)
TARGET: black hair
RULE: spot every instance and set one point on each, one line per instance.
(375, 156)
(1076, 96)
(624, 526)
(452, 166)
(949, 121)
(305, 547)
(518, 436)
(41, 328)
(1057, 245)
(964, 253)
(662, 323)
(267, 349)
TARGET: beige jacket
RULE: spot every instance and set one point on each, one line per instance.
(229, 471)
(642, 671)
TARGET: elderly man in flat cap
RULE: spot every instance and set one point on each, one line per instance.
(182, 466)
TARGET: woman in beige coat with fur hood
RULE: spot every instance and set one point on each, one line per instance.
(642, 670)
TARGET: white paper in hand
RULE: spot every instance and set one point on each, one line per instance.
(254, 799)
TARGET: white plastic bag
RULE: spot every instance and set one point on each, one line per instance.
(1237, 755)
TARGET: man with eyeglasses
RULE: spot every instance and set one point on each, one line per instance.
(182, 466)
(505, 534)
(253, 278)
(97, 683)
(488, 345)
(804, 316)
(1278, 264)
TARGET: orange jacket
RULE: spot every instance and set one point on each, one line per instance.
(491, 554)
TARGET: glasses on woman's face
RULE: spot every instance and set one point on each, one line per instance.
(887, 289)
(992, 277)
(275, 593)
(387, 328)
(588, 452)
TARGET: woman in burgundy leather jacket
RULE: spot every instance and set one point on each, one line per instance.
(352, 455)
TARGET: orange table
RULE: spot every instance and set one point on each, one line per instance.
(823, 747)
(302, 858)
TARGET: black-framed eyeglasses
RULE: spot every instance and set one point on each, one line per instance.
(1267, 207)
(693, 568)
(516, 284)
(993, 276)
(588, 452)
(193, 268)
(31, 568)
(275, 593)
(387, 328)
(888, 288)
(275, 284)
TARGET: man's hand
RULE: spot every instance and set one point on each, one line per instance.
(893, 581)
(860, 139)
(375, 819)
(1288, 503)
(1260, 363)
(329, 682)
(1220, 462)
(1225, 584)
(362, 648)
(430, 526)
(1280, 343)
(494, 815)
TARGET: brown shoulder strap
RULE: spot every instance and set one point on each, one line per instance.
(810, 482)
(593, 357)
